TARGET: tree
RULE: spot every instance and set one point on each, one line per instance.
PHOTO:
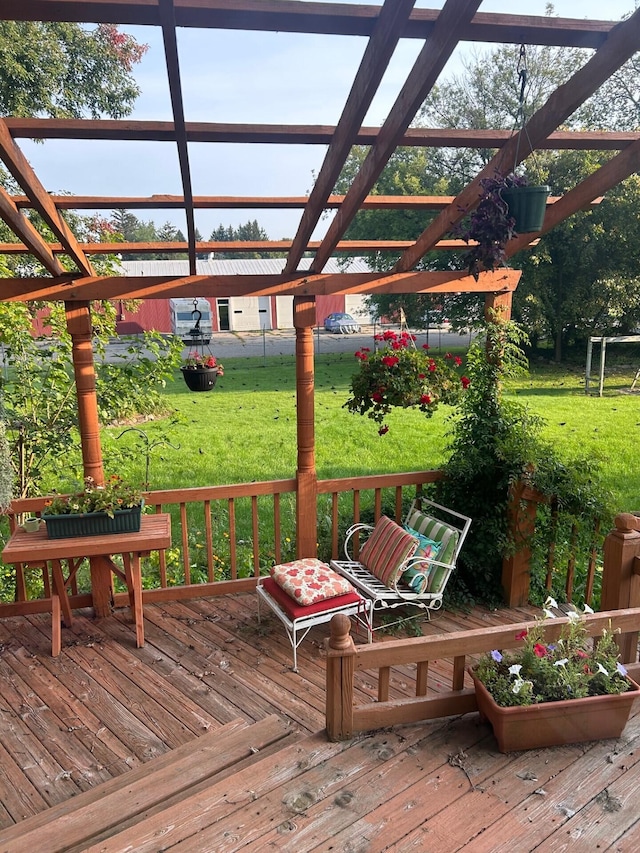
(581, 279)
(249, 232)
(65, 71)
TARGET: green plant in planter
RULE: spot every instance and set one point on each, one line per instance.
(114, 495)
(572, 667)
(399, 375)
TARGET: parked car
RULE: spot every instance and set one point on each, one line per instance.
(341, 324)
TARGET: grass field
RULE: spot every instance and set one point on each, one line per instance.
(245, 429)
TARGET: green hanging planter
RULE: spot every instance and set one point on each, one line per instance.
(527, 205)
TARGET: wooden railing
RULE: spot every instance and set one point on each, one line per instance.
(224, 537)
(344, 658)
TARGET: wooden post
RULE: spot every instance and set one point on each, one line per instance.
(620, 580)
(304, 319)
(340, 669)
(497, 306)
(79, 327)
(522, 522)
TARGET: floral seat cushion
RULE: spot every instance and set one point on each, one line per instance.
(308, 581)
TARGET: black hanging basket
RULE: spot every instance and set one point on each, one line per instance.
(527, 205)
(200, 378)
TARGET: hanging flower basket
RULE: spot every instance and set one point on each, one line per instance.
(527, 205)
(200, 378)
(201, 371)
(400, 376)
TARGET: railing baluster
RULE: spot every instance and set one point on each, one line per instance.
(593, 559)
(277, 529)
(571, 566)
(233, 557)
(186, 563)
(422, 674)
(211, 576)
(255, 535)
(384, 675)
(458, 672)
(334, 526)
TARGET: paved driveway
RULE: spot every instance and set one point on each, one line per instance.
(283, 342)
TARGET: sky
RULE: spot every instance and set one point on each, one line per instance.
(231, 76)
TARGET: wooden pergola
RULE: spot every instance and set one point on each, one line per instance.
(383, 26)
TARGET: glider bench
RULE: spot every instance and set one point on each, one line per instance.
(407, 564)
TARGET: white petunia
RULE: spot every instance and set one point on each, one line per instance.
(561, 662)
(548, 614)
(573, 616)
(587, 609)
(602, 669)
(551, 602)
(515, 668)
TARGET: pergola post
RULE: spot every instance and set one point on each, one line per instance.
(304, 320)
(497, 306)
(79, 327)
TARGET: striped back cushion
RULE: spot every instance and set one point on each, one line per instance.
(437, 530)
(386, 550)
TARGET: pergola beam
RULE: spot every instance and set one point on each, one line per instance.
(311, 17)
(164, 287)
(127, 130)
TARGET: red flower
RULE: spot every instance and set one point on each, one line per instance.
(521, 634)
(390, 360)
(421, 376)
(384, 428)
(376, 397)
(457, 360)
(539, 650)
(425, 399)
(432, 367)
(581, 654)
(426, 346)
(465, 381)
(448, 355)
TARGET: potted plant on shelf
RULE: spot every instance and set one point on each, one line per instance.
(201, 371)
(400, 375)
(547, 694)
(508, 206)
(115, 507)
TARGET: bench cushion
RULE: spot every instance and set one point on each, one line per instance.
(297, 611)
(386, 550)
(439, 532)
(309, 581)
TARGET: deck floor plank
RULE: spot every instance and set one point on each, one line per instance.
(105, 707)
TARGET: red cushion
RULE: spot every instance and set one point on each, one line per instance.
(296, 611)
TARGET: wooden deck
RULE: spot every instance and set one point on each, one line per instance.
(104, 708)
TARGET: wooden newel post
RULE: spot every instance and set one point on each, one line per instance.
(516, 569)
(620, 576)
(304, 319)
(340, 669)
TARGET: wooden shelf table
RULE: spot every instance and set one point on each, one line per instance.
(37, 548)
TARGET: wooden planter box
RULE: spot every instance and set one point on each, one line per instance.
(556, 723)
(93, 523)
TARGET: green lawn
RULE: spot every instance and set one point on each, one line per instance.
(245, 429)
